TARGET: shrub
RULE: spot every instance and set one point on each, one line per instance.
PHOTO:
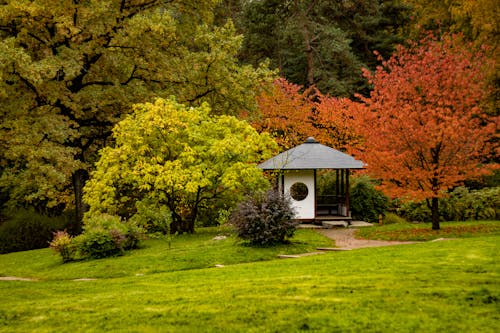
(126, 235)
(104, 236)
(391, 218)
(367, 203)
(27, 230)
(460, 205)
(264, 219)
(63, 245)
(152, 217)
(98, 243)
(415, 211)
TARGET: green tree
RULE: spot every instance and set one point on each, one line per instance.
(69, 71)
(168, 154)
(478, 20)
(321, 42)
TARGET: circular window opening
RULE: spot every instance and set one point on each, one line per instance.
(299, 191)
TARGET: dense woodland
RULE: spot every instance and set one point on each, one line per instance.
(409, 86)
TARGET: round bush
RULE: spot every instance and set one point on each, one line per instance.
(367, 203)
(264, 219)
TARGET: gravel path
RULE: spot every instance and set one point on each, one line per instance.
(344, 239)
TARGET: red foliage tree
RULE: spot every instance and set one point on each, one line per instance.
(424, 126)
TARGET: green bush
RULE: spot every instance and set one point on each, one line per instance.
(99, 243)
(391, 218)
(264, 219)
(27, 230)
(151, 217)
(367, 203)
(460, 205)
(104, 236)
(415, 211)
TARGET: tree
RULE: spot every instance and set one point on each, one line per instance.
(476, 19)
(424, 127)
(69, 71)
(184, 158)
(321, 42)
(291, 114)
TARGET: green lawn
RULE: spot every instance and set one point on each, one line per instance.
(424, 232)
(447, 286)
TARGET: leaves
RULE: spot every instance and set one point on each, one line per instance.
(70, 70)
(179, 157)
(291, 114)
(424, 126)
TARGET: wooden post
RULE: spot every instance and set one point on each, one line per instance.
(347, 196)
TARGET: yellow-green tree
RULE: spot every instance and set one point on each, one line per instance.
(477, 19)
(184, 158)
(70, 69)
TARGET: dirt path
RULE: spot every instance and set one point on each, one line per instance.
(344, 239)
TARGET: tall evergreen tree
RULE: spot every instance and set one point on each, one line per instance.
(322, 42)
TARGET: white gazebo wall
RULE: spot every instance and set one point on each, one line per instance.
(305, 209)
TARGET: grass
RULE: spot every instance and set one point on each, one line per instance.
(187, 251)
(450, 286)
(424, 232)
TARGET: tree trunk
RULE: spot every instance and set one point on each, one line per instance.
(79, 178)
(435, 213)
(306, 35)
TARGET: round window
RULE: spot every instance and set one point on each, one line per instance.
(299, 191)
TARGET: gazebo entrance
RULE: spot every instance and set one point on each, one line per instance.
(336, 202)
(298, 167)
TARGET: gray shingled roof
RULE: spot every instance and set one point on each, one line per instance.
(311, 155)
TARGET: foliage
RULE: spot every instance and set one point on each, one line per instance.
(322, 43)
(200, 250)
(448, 286)
(70, 70)
(265, 218)
(421, 232)
(476, 19)
(104, 236)
(63, 245)
(152, 217)
(423, 124)
(291, 114)
(367, 203)
(183, 158)
(26, 230)
(461, 204)
(391, 218)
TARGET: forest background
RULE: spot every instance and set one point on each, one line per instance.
(71, 70)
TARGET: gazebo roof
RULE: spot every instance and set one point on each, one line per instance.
(311, 155)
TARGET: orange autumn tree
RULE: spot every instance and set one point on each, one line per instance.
(291, 113)
(286, 113)
(424, 126)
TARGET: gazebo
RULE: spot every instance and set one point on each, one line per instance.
(297, 177)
